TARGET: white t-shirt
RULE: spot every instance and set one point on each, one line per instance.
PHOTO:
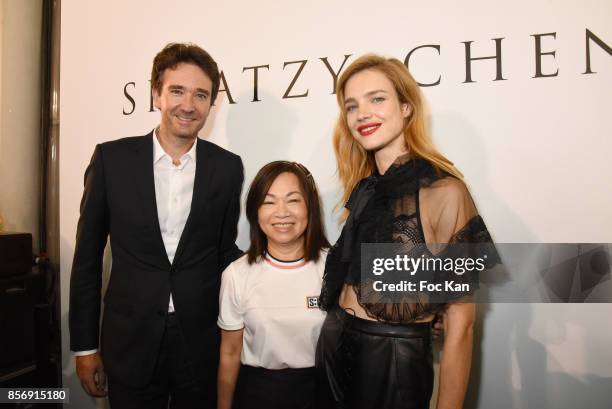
(277, 304)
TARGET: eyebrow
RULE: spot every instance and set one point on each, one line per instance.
(376, 91)
(205, 91)
(287, 195)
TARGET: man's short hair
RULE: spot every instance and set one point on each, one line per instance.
(176, 53)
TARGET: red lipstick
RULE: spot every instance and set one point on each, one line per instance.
(369, 128)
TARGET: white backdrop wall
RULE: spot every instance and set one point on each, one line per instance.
(535, 149)
(20, 99)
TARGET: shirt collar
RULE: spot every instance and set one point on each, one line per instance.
(159, 152)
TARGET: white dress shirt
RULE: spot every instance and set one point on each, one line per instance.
(173, 194)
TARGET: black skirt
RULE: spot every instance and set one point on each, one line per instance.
(259, 388)
(364, 364)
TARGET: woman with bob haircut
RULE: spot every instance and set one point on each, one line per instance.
(269, 312)
(375, 348)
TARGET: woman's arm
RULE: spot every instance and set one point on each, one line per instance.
(456, 355)
(447, 207)
(229, 366)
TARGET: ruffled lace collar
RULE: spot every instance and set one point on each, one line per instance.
(405, 176)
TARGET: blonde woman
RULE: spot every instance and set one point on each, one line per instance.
(398, 189)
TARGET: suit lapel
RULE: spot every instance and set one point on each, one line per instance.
(145, 181)
(201, 186)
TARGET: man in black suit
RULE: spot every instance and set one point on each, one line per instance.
(170, 204)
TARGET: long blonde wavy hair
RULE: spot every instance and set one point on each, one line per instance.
(355, 163)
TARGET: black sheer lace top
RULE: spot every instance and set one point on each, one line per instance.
(411, 201)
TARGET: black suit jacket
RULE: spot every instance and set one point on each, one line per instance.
(119, 201)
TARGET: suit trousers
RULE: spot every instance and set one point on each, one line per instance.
(174, 384)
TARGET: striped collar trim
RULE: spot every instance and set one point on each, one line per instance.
(284, 265)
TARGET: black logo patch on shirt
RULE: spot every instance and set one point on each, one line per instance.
(312, 302)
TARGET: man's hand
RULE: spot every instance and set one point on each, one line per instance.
(90, 371)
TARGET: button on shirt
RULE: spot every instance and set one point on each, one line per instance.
(173, 194)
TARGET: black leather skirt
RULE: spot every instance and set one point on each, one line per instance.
(364, 364)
